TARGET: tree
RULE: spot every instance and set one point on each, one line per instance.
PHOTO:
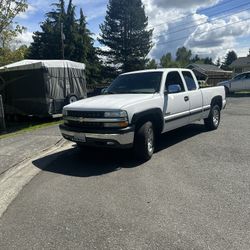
(196, 59)
(9, 56)
(124, 32)
(183, 56)
(65, 37)
(166, 60)
(208, 60)
(47, 43)
(248, 53)
(218, 62)
(230, 57)
(9, 29)
(152, 64)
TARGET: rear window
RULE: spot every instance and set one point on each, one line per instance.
(191, 85)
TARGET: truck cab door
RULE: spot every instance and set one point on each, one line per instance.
(176, 102)
(195, 97)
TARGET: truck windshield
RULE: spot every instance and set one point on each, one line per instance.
(148, 82)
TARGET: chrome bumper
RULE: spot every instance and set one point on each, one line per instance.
(115, 140)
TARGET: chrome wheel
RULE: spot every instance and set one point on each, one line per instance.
(150, 140)
(216, 117)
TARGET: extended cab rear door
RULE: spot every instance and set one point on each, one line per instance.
(195, 96)
(176, 102)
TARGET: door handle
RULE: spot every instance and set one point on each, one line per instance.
(186, 98)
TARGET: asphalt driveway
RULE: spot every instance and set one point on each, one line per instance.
(193, 194)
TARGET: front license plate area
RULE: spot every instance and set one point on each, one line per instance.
(79, 138)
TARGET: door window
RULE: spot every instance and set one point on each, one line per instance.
(240, 77)
(191, 85)
(174, 78)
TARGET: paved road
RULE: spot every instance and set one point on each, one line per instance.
(16, 149)
(193, 194)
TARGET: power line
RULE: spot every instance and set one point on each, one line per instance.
(200, 33)
(200, 24)
(179, 18)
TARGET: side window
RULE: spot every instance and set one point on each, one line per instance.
(191, 85)
(174, 78)
(240, 77)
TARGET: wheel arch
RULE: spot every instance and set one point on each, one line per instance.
(154, 115)
(217, 100)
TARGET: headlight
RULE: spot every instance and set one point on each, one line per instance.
(116, 114)
(65, 112)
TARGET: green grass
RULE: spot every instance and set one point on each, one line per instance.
(16, 129)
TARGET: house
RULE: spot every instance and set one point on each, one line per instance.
(242, 64)
(210, 74)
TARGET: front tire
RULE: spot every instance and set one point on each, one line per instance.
(145, 141)
(213, 120)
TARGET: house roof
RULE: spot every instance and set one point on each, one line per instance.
(205, 67)
(240, 62)
(38, 64)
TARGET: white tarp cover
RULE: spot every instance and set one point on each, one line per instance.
(38, 64)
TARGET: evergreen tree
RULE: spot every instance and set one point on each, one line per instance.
(183, 56)
(152, 64)
(47, 43)
(208, 60)
(196, 59)
(218, 62)
(63, 36)
(230, 57)
(124, 32)
(166, 60)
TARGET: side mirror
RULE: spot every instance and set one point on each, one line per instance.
(173, 88)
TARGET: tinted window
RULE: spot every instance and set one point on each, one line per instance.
(248, 76)
(239, 77)
(174, 78)
(191, 85)
(148, 82)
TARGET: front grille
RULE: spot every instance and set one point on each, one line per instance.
(86, 114)
(87, 125)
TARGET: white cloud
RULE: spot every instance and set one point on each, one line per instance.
(30, 10)
(207, 39)
(25, 38)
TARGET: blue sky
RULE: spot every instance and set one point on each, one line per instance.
(176, 22)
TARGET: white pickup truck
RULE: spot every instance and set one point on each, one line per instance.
(139, 106)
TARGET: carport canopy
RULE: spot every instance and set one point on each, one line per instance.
(39, 64)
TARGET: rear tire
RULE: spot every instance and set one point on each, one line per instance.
(213, 120)
(145, 141)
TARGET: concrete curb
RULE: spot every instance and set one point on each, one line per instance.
(13, 180)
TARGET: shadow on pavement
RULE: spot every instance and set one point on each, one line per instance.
(95, 161)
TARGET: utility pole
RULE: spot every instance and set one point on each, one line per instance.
(62, 40)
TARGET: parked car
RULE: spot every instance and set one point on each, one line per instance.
(139, 106)
(240, 82)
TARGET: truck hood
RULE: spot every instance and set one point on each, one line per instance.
(109, 102)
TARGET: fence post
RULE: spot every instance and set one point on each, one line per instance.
(2, 120)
